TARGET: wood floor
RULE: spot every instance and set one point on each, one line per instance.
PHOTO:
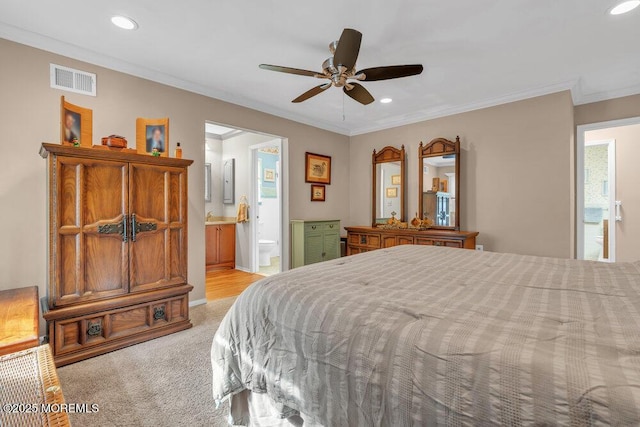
(228, 283)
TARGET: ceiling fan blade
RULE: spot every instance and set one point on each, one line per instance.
(390, 72)
(312, 92)
(289, 70)
(359, 93)
(348, 48)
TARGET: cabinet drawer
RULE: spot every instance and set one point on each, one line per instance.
(365, 240)
(312, 227)
(331, 226)
(439, 242)
(78, 333)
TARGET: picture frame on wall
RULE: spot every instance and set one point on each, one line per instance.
(395, 180)
(317, 168)
(152, 134)
(318, 193)
(76, 124)
(269, 175)
(392, 192)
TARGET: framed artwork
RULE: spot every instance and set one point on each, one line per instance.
(207, 182)
(318, 193)
(269, 175)
(392, 192)
(317, 169)
(435, 184)
(76, 125)
(395, 179)
(152, 134)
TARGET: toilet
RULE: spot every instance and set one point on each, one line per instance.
(600, 242)
(265, 247)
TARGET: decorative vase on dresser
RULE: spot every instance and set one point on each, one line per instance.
(117, 250)
(314, 241)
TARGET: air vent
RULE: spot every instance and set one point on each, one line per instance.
(71, 80)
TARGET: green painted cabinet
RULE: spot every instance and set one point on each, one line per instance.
(314, 241)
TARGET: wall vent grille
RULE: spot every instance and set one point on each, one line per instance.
(71, 80)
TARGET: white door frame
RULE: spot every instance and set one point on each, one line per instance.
(581, 130)
(282, 183)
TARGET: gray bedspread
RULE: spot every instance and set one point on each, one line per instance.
(419, 335)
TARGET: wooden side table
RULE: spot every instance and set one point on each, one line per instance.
(19, 319)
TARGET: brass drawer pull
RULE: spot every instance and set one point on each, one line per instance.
(94, 329)
(158, 313)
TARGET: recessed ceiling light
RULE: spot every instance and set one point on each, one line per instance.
(388, 100)
(124, 22)
(624, 7)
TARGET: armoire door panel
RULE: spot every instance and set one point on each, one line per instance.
(67, 191)
(104, 273)
(67, 266)
(176, 267)
(104, 192)
(148, 191)
(177, 197)
(158, 196)
(90, 193)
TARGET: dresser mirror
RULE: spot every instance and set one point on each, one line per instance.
(439, 182)
(388, 185)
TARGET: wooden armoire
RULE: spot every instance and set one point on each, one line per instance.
(117, 250)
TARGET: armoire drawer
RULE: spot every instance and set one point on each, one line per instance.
(97, 329)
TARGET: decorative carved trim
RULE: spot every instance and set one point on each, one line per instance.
(439, 146)
(389, 154)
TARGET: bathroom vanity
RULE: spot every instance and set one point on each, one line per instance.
(220, 241)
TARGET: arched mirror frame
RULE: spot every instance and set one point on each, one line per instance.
(435, 148)
(386, 155)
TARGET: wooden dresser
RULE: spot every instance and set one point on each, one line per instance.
(314, 241)
(117, 250)
(364, 239)
(19, 319)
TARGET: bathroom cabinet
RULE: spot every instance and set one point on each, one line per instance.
(314, 241)
(220, 241)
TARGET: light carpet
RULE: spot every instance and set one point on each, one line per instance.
(162, 382)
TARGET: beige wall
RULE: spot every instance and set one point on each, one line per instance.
(627, 178)
(30, 112)
(612, 109)
(517, 181)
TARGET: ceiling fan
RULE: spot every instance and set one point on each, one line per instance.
(340, 68)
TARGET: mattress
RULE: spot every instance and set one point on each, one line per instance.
(420, 335)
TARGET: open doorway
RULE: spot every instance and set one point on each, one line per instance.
(232, 242)
(608, 204)
(266, 197)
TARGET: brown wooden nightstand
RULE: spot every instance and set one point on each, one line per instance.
(19, 319)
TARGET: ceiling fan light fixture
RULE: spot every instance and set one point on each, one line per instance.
(124, 22)
(624, 7)
(386, 100)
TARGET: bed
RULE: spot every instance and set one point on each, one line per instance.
(420, 335)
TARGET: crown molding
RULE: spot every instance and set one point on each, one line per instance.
(75, 52)
(493, 102)
(582, 99)
(79, 53)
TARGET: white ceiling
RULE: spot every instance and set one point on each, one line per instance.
(475, 53)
